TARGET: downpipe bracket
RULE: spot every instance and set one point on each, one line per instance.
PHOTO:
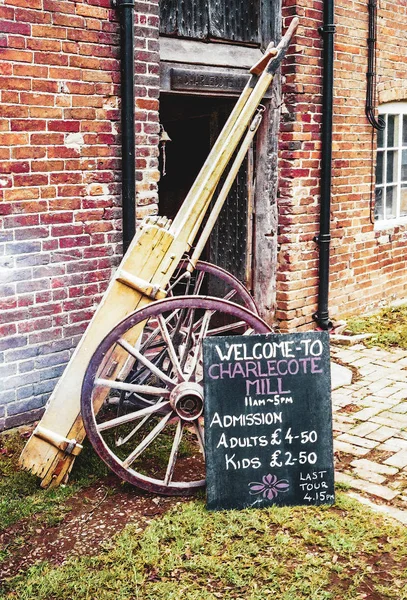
(323, 321)
(123, 3)
(328, 28)
(324, 238)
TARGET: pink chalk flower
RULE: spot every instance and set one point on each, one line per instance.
(269, 487)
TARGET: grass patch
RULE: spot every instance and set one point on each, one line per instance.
(343, 552)
(20, 493)
(154, 460)
(389, 327)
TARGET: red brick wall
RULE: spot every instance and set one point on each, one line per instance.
(368, 266)
(60, 174)
(60, 180)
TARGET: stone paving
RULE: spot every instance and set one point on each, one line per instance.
(370, 426)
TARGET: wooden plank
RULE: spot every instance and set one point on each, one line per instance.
(271, 22)
(266, 215)
(62, 414)
(168, 17)
(235, 20)
(249, 219)
(185, 18)
(201, 53)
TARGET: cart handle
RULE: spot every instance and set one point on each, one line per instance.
(277, 52)
(261, 64)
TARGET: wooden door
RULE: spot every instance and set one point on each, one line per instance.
(239, 21)
(231, 239)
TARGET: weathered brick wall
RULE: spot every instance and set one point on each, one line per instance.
(299, 170)
(60, 174)
(60, 179)
(367, 265)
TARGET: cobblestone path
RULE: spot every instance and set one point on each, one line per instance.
(370, 426)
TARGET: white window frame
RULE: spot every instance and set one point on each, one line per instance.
(398, 109)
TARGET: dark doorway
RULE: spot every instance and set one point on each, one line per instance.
(193, 124)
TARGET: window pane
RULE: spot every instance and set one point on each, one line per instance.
(403, 200)
(391, 201)
(380, 136)
(391, 174)
(404, 165)
(379, 167)
(378, 207)
(392, 130)
(404, 130)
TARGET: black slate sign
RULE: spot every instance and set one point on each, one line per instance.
(268, 420)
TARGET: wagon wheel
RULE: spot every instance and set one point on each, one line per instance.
(200, 282)
(161, 444)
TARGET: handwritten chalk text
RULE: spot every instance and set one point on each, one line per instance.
(249, 420)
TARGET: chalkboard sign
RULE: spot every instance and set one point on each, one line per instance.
(268, 420)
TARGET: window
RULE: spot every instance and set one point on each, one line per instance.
(391, 166)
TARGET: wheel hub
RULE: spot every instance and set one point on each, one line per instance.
(187, 400)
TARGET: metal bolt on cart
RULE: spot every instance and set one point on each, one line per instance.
(134, 383)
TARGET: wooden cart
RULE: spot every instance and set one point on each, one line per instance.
(134, 382)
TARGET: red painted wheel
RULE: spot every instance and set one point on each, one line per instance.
(204, 280)
(210, 280)
(156, 442)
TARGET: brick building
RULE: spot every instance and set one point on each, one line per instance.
(60, 181)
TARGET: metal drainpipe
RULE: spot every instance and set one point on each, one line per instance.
(324, 237)
(126, 18)
(379, 123)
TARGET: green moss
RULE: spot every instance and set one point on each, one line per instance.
(389, 327)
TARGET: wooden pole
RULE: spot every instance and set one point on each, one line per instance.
(223, 194)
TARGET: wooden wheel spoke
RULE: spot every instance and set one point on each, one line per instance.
(155, 331)
(120, 441)
(198, 283)
(248, 331)
(188, 320)
(198, 344)
(174, 452)
(230, 295)
(225, 328)
(205, 324)
(147, 440)
(134, 388)
(170, 348)
(140, 357)
(200, 435)
(138, 414)
(177, 280)
(198, 323)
